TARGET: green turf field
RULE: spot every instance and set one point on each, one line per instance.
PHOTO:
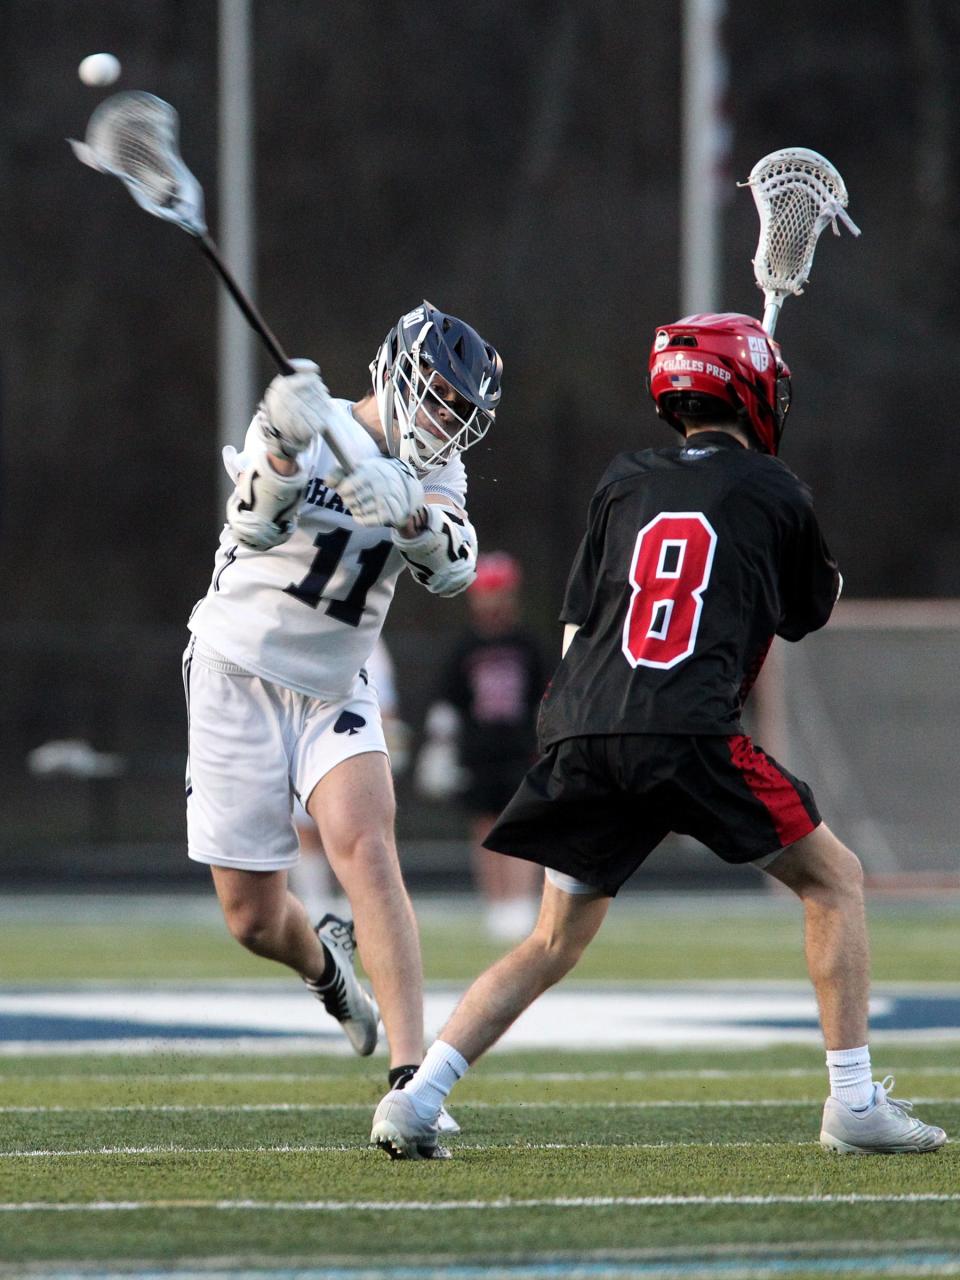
(667, 1162)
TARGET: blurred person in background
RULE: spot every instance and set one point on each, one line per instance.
(695, 556)
(279, 700)
(481, 736)
(311, 878)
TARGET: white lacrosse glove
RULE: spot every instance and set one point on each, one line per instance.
(379, 491)
(294, 410)
(438, 774)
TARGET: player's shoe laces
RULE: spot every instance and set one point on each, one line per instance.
(886, 1126)
(399, 1131)
(344, 998)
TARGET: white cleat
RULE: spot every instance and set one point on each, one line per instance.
(886, 1127)
(399, 1131)
(344, 998)
(446, 1122)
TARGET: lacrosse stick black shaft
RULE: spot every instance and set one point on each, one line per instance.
(134, 136)
(253, 317)
(263, 331)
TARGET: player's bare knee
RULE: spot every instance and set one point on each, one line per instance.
(559, 950)
(825, 871)
(374, 849)
(845, 882)
(367, 860)
(253, 928)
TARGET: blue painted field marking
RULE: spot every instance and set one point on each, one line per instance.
(744, 1267)
(218, 1016)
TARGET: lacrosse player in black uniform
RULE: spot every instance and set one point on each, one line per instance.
(694, 558)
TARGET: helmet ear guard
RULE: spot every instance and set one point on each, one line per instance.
(724, 363)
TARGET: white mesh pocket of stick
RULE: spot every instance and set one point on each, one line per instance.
(797, 193)
(135, 137)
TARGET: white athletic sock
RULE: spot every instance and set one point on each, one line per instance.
(851, 1080)
(437, 1074)
(311, 881)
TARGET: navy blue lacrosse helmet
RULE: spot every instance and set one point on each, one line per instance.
(437, 384)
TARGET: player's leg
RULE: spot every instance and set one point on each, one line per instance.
(859, 1117)
(311, 878)
(242, 731)
(405, 1123)
(238, 807)
(567, 923)
(570, 812)
(828, 879)
(748, 807)
(268, 920)
(353, 806)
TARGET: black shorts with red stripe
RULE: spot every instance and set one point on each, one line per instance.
(595, 807)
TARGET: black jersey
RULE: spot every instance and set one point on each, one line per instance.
(693, 558)
(495, 682)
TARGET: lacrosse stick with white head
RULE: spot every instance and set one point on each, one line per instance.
(135, 137)
(797, 192)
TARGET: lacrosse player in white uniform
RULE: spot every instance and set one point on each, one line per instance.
(278, 697)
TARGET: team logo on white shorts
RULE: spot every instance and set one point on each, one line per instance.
(759, 354)
(349, 722)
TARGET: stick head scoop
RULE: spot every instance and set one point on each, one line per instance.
(135, 137)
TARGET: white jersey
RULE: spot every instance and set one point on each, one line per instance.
(307, 614)
(379, 667)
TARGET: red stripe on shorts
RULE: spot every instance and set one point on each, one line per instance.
(776, 793)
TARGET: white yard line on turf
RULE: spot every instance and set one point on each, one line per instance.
(435, 1206)
(539, 1077)
(173, 1149)
(466, 1101)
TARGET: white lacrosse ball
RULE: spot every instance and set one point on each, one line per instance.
(99, 69)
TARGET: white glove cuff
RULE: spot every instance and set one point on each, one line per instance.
(443, 557)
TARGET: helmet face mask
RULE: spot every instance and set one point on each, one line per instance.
(437, 385)
(721, 367)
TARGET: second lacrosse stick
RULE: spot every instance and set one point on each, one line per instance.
(797, 193)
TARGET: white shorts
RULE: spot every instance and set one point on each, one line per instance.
(255, 745)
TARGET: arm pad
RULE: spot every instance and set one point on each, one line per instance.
(262, 510)
(443, 557)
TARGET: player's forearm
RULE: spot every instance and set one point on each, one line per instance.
(282, 466)
(417, 522)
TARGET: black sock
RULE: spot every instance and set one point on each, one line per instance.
(329, 970)
(398, 1077)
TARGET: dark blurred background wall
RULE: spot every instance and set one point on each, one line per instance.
(514, 163)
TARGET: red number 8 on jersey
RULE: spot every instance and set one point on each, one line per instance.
(671, 567)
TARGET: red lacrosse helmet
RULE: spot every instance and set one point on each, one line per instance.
(496, 571)
(721, 367)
